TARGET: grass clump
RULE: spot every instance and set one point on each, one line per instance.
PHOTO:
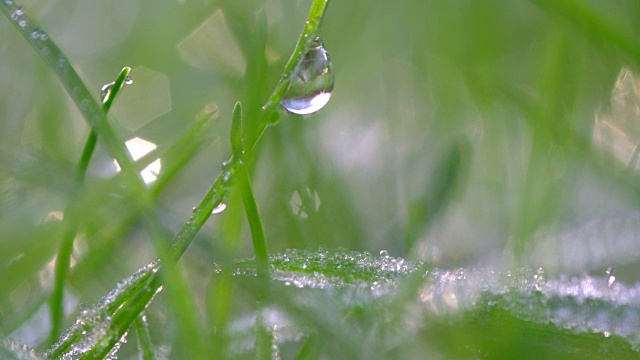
(460, 140)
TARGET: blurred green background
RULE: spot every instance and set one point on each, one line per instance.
(461, 133)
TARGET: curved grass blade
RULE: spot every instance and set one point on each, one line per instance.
(138, 297)
(93, 113)
(70, 221)
(97, 119)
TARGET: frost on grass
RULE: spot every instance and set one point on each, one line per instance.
(581, 304)
(92, 329)
(10, 349)
(338, 268)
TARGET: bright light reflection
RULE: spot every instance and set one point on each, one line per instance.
(306, 106)
(617, 131)
(138, 148)
(301, 203)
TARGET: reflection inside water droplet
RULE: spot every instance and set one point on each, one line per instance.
(220, 208)
(105, 91)
(302, 203)
(311, 82)
(611, 279)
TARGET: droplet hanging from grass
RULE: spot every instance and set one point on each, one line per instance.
(105, 91)
(220, 208)
(311, 82)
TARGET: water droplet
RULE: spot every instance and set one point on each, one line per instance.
(220, 208)
(311, 82)
(8, 2)
(611, 278)
(226, 178)
(16, 14)
(105, 91)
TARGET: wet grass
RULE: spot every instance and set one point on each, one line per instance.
(458, 134)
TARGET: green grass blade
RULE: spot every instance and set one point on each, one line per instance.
(125, 315)
(93, 113)
(236, 128)
(255, 223)
(145, 347)
(309, 350)
(66, 245)
(593, 23)
(183, 149)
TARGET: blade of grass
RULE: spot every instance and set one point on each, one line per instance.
(257, 230)
(264, 335)
(97, 119)
(125, 315)
(309, 33)
(71, 222)
(145, 348)
(309, 350)
(93, 113)
(594, 23)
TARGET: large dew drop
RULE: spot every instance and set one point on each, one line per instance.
(311, 82)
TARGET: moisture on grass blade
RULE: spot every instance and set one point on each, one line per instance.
(579, 304)
(95, 328)
(70, 220)
(305, 41)
(311, 82)
(13, 350)
(333, 268)
(77, 90)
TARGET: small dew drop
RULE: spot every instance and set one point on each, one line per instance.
(226, 178)
(611, 278)
(220, 208)
(311, 82)
(16, 14)
(105, 91)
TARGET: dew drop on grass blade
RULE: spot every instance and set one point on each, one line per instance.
(311, 82)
